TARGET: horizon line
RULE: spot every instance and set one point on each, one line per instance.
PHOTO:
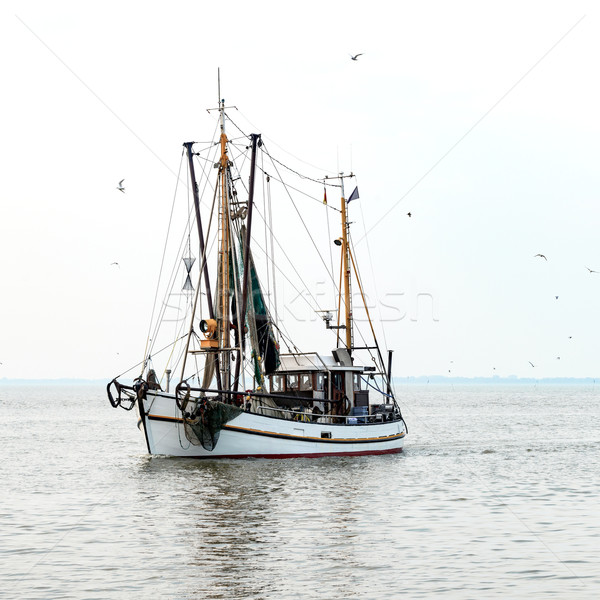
(395, 379)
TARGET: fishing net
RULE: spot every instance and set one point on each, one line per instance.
(206, 429)
(259, 321)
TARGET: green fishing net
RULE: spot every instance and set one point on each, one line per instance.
(205, 430)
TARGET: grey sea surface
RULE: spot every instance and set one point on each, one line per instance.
(496, 495)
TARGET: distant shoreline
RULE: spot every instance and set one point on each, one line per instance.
(416, 380)
(512, 380)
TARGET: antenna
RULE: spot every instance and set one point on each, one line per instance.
(219, 85)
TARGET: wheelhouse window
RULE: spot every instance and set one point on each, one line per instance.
(338, 381)
(277, 383)
(305, 381)
(319, 382)
(292, 382)
(357, 382)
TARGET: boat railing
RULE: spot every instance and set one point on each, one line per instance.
(308, 417)
(126, 396)
(240, 395)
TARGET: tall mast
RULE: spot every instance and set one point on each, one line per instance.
(255, 140)
(346, 267)
(203, 265)
(224, 235)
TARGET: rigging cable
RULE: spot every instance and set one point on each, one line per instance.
(174, 271)
(177, 265)
(330, 245)
(143, 362)
(179, 254)
(280, 326)
(287, 187)
(269, 259)
(304, 224)
(276, 144)
(270, 228)
(265, 230)
(357, 328)
(373, 278)
(202, 264)
(162, 263)
(366, 309)
(329, 207)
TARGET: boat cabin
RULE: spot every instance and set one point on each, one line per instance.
(331, 385)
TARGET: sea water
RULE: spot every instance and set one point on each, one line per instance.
(497, 494)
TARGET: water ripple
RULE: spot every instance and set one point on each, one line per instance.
(498, 508)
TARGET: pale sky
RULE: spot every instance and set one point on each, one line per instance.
(478, 118)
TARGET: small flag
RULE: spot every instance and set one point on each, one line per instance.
(354, 195)
(324, 195)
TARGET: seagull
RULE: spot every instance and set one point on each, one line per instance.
(409, 214)
(120, 186)
(355, 57)
(115, 263)
(531, 363)
(541, 255)
(591, 270)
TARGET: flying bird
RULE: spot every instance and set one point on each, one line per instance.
(120, 186)
(355, 57)
(592, 270)
(531, 363)
(540, 255)
(115, 263)
(409, 214)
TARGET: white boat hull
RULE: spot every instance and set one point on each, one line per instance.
(251, 435)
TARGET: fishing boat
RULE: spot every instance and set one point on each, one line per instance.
(225, 388)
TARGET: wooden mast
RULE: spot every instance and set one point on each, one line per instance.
(203, 265)
(346, 268)
(224, 234)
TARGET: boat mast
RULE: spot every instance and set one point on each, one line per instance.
(346, 266)
(203, 265)
(224, 235)
(255, 141)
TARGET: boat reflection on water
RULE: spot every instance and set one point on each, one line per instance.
(259, 528)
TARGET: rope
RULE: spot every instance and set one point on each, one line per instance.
(322, 181)
(366, 309)
(328, 206)
(307, 230)
(143, 362)
(264, 137)
(377, 389)
(386, 346)
(171, 282)
(162, 262)
(330, 249)
(269, 259)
